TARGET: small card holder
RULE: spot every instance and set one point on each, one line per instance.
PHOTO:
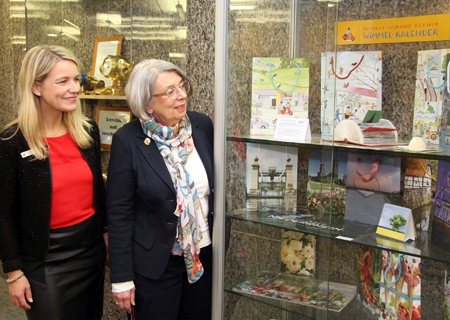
(396, 222)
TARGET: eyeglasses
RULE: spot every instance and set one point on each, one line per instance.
(173, 93)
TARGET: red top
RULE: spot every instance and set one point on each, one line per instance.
(72, 183)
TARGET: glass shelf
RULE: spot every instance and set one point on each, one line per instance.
(353, 311)
(400, 150)
(427, 244)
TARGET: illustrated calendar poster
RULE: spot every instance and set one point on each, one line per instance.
(350, 80)
(431, 99)
(280, 88)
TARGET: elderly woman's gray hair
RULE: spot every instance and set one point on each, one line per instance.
(140, 85)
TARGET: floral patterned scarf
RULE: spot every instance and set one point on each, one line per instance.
(188, 202)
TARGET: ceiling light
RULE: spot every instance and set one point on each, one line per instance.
(107, 19)
(63, 29)
(242, 7)
(72, 24)
(18, 40)
(70, 36)
(177, 55)
(242, 4)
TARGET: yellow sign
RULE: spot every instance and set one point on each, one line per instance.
(394, 30)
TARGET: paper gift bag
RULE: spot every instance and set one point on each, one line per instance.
(431, 98)
(364, 206)
(376, 173)
(280, 88)
(350, 81)
(369, 278)
(400, 286)
(371, 181)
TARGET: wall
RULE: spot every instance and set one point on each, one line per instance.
(137, 19)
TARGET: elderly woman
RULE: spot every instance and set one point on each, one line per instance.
(159, 199)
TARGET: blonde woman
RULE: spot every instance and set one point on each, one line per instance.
(53, 214)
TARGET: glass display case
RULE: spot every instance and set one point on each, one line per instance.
(300, 237)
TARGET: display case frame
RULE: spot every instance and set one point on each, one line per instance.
(231, 135)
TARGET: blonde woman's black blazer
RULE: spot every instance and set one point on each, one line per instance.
(26, 198)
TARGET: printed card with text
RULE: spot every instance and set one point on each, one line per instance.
(293, 129)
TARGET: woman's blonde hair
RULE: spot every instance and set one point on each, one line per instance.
(36, 65)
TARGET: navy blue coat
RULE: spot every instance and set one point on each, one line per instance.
(141, 199)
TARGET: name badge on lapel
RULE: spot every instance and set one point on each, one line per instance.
(26, 154)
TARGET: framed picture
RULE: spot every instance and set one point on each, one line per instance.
(109, 120)
(104, 47)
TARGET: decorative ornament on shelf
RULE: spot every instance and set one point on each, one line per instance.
(382, 132)
(91, 83)
(417, 144)
(118, 69)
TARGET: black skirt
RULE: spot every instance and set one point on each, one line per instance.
(68, 284)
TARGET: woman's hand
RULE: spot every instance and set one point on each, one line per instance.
(20, 291)
(124, 300)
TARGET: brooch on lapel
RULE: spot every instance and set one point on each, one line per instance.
(147, 141)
